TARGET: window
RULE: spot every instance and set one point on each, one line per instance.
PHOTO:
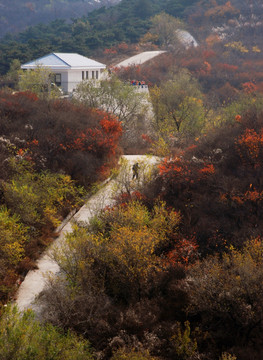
(97, 74)
(93, 74)
(83, 75)
(87, 75)
(58, 79)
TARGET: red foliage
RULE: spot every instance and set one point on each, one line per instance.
(147, 138)
(105, 136)
(227, 67)
(59, 135)
(208, 53)
(26, 94)
(184, 252)
(207, 170)
(184, 171)
(250, 146)
(249, 87)
(110, 51)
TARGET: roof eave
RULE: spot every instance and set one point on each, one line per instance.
(88, 67)
(59, 67)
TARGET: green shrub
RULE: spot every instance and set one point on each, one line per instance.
(24, 338)
(40, 199)
(125, 354)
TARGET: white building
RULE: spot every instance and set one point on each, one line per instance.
(69, 69)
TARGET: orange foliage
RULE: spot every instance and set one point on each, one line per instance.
(238, 118)
(213, 39)
(26, 94)
(184, 252)
(147, 138)
(207, 170)
(221, 11)
(249, 87)
(250, 145)
(227, 67)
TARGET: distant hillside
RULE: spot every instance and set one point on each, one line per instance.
(16, 15)
(128, 21)
(102, 28)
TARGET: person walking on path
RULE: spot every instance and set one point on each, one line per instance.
(135, 171)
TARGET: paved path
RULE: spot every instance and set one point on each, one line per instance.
(35, 280)
(140, 58)
(184, 36)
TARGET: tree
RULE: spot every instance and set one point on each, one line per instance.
(121, 253)
(13, 73)
(165, 27)
(178, 104)
(113, 96)
(143, 9)
(40, 82)
(177, 7)
(126, 354)
(13, 237)
(23, 337)
(226, 292)
(40, 199)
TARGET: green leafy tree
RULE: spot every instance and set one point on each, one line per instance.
(143, 9)
(176, 7)
(178, 105)
(23, 337)
(40, 82)
(13, 73)
(113, 96)
(165, 27)
(40, 199)
(185, 347)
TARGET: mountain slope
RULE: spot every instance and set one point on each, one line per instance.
(16, 15)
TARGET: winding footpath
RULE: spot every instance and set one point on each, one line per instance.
(35, 280)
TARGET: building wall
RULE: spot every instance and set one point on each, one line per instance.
(76, 76)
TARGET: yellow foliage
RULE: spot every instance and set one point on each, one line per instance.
(238, 46)
(13, 237)
(256, 49)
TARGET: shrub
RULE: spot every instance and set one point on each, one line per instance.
(22, 337)
(226, 294)
(40, 199)
(124, 354)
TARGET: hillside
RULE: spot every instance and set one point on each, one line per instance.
(28, 13)
(126, 22)
(173, 268)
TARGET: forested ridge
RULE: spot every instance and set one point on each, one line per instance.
(17, 15)
(172, 270)
(125, 22)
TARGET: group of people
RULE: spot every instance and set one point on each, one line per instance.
(138, 83)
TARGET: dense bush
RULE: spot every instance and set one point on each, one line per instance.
(118, 285)
(43, 145)
(23, 337)
(59, 136)
(225, 297)
(42, 199)
(216, 184)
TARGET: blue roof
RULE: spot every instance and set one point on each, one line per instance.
(63, 61)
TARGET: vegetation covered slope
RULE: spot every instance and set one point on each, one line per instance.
(48, 149)
(125, 22)
(17, 15)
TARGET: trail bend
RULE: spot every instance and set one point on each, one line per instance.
(35, 280)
